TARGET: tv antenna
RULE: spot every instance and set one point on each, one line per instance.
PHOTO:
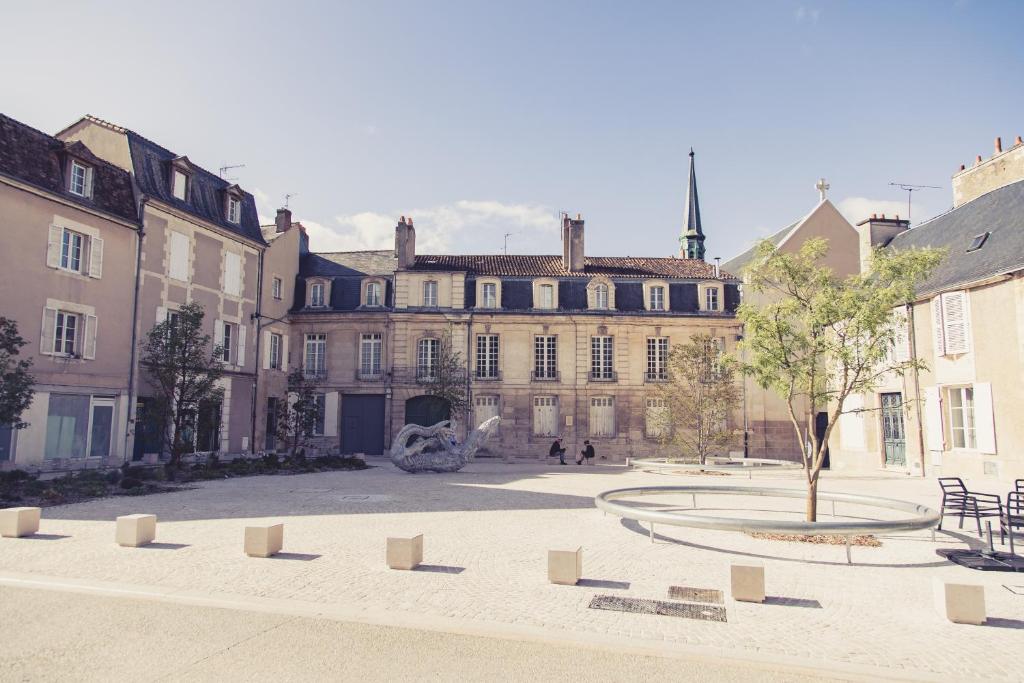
(288, 198)
(910, 190)
(228, 167)
(507, 235)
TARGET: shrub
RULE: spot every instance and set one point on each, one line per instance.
(14, 477)
(129, 483)
(113, 476)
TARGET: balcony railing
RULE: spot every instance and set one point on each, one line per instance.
(369, 375)
(478, 376)
(424, 375)
(545, 376)
(604, 376)
(656, 376)
(315, 374)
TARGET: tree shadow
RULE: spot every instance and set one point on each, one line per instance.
(156, 545)
(602, 583)
(438, 569)
(45, 537)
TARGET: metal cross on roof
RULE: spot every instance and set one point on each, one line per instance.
(822, 187)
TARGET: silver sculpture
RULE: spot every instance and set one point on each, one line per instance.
(436, 449)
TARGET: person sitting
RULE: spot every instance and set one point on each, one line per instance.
(586, 454)
(556, 449)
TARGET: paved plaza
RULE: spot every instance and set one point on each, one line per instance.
(487, 531)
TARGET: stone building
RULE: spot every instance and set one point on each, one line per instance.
(69, 223)
(960, 416)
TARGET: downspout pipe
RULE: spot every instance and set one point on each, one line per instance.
(133, 354)
(259, 349)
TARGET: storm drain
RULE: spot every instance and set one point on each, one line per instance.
(660, 607)
(708, 595)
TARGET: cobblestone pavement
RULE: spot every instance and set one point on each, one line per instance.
(487, 531)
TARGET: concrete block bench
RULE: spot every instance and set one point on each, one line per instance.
(264, 541)
(747, 582)
(565, 567)
(404, 553)
(18, 522)
(135, 530)
(960, 603)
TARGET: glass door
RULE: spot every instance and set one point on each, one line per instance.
(893, 436)
(101, 427)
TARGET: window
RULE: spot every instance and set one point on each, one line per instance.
(602, 416)
(657, 302)
(373, 293)
(177, 266)
(546, 296)
(711, 299)
(978, 242)
(179, 185)
(601, 297)
(961, 417)
(234, 209)
(656, 417)
(601, 358)
(430, 294)
(487, 356)
(426, 358)
(370, 346)
(81, 180)
(227, 340)
(952, 323)
(545, 359)
(270, 436)
(67, 426)
(315, 362)
(545, 416)
(66, 333)
(71, 251)
(275, 288)
(489, 295)
(232, 274)
(657, 359)
(275, 351)
(316, 294)
(484, 408)
(321, 413)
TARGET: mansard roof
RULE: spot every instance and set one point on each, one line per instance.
(40, 160)
(514, 265)
(381, 262)
(999, 213)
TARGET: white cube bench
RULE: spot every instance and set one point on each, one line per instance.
(135, 530)
(565, 567)
(747, 582)
(404, 553)
(960, 603)
(264, 541)
(18, 522)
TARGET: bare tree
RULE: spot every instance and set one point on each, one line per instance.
(447, 377)
(297, 414)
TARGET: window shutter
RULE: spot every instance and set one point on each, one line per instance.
(937, 327)
(178, 265)
(53, 246)
(331, 413)
(49, 329)
(266, 350)
(240, 349)
(232, 274)
(218, 333)
(933, 418)
(161, 315)
(901, 337)
(956, 322)
(89, 352)
(984, 423)
(88, 184)
(284, 352)
(96, 257)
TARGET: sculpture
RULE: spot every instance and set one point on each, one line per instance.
(436, 449)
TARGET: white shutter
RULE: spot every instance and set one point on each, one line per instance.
(933, 418)
(232, 273)
(161, 315)
(49, 329)
(901, 339)
(851, 423)
(956, 322)
(89, 350)
(937, 327)
(240, 348)
(96, 257)
(178, 264)
(265, 351)
(284, 352)
(984, 424)
(53, 246)
(88, 183)
(331, 413)
(218, 333)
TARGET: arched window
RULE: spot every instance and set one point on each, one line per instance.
(373, 294)
(601, 296)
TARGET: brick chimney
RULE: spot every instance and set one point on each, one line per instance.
(572, 243)
(405, 242)
(877, 232)
(283, 220)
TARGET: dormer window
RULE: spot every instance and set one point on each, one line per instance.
(600, 294)
(601, 297)
(81, 180)
(487, 294)
(234, 209)
(656, 295)
(179, 184)
(316, 294)
(545, 294)
(711, 296)
(657, 302)
(373, 294)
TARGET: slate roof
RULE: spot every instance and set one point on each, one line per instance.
(206, 198)
(1000, 212)
(349, 263)
(551, 266)
(737, 263)
(40, 160)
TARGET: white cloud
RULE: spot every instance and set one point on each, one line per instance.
(856, 209)
(808, 14)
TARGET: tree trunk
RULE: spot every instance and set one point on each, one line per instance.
(812, 499)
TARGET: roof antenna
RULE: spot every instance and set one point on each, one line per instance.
(226, 167)
(288, 198)
(910, 189)
(507, 235)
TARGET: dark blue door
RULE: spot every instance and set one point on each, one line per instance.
(362, 423)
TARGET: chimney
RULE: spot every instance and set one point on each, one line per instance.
(1018, 141)
(999, 145)
(718, 266)
(576, 261)
(1004, 167)
(877, 232)
(565, 241)
(405, 243)
(283, 220)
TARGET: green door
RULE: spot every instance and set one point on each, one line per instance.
(892, 430)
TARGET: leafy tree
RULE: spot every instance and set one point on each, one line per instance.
(183, 368)
(699, 399)
(820, 338)
(16, 381)
(448, 379)
(297, 414)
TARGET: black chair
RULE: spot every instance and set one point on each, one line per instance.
(957, 500)
(1012, 517)
(1018, 485)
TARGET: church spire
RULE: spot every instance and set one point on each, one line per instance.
(691, 244)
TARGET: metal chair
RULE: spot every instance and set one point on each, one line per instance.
(1012, 517)
(1018, 485)
(957, 500)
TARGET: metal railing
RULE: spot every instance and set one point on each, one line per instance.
(545, 376)
(604, 376)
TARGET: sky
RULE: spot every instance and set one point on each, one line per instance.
(484, 120)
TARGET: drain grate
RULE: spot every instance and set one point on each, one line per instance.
(708, 595)
(660, 607)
